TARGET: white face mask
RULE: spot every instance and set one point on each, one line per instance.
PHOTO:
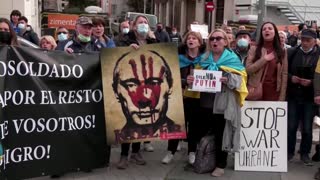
(125, 30)
(306, 51)
(174, 32)
(21, 26)
(143, 29)
(62, 37)
(243, 43)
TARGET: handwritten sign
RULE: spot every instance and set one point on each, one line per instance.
(263, 137)
(206, 81)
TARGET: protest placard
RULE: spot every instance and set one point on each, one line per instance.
(206, 81)
(201, 28)
(51, 117)
(263, 137)
(142, 92)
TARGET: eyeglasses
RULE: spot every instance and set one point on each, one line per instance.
(218, 38)
(62, 33)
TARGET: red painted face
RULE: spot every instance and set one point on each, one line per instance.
(143, 87)
(147, 91)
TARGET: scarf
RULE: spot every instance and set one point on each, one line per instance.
(229, 62)
(228, 59)
(185, 62)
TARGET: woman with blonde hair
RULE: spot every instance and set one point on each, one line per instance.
(283, 38)
(218, 107)
(48, 43)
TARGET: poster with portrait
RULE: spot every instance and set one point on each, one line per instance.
(142, 93)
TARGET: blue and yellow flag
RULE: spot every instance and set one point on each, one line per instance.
(228, 62)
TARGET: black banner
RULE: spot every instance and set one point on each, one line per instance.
(52, 117)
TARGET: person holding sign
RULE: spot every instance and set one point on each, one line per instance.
(267, 66)
(301, 109)
(226, 117)
(138, 36)
(189, 57)
(83, 41)
(7, 33)
(98, 33)
(47, 42)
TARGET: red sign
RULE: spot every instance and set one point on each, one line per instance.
(64, 20)
(210, 6)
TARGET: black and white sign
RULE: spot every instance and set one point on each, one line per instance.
(263, 137)
(51, 118)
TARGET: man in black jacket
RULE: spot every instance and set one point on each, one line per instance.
(26, 31)
(161, 35)
(83, 40)
(302, 62)
(243, 39)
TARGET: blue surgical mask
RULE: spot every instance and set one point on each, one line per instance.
(143, 29)
(125, 30)
(21, 26)
(62, 37)
(243, 43)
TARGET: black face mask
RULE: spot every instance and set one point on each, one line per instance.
(5, 37)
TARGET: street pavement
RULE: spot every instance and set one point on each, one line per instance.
(154, 170)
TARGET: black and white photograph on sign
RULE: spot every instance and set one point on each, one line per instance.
(263, 137)
(206, 81)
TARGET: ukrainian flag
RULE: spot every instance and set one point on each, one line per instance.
(228, 62)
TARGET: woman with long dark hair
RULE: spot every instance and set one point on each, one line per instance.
(7, 33)
(268, 61)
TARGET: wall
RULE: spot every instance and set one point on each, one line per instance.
(28, 8)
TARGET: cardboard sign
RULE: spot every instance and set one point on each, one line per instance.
(202, 29)
(263, 137)
(206, 81)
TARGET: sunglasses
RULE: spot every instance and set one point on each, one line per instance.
(62, 33)
(218, 38)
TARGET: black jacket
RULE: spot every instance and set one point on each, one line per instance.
(78, 47)
(131, 38)
(302, 65)
(30, 35)
(162, 36)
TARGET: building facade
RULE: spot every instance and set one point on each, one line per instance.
(181, 13)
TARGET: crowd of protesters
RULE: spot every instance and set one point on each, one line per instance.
(283, 62)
